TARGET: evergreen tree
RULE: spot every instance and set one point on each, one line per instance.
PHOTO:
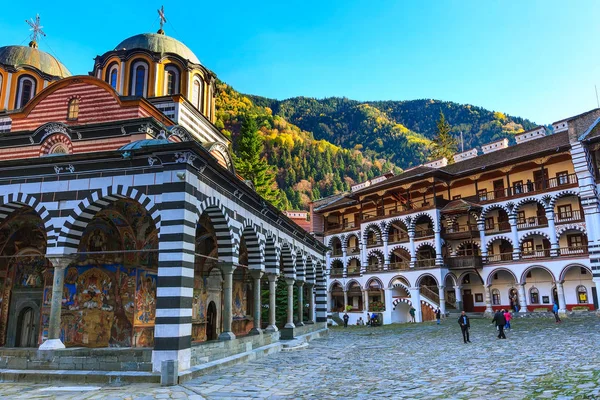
(250, 164)
(444, 144)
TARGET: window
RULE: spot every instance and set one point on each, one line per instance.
(112, 74)
(59, 148)
(496, 297)
(197, 94)
(565, 212)
(521, 217)
(457, 197)
(26, 90)
(562, 178)
(575, 241)
(582, 295)
(171, 80)
(489, 223)
(528, 247)
(139, 81)
(518, 187)
(534, 296)
(482, 193)
(73, 112)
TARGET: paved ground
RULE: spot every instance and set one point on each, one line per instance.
(539, 359)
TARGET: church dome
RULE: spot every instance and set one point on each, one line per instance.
(158, 43)
(23, 56)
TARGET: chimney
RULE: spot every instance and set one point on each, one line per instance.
(494, 146)
(465, 155)
(532, 134)
(442, 162)
(560, 126)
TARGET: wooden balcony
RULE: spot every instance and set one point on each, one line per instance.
(353, 251)
(463, 262)
(532, 222)
(527, 188)
(500, 227)
(398, 238)
(457, 232)
(336, 272)
(573, 251)
(354, 271)
(399, 266)
(374, 268)
(374, 243)
(543, 254)
(424, 233)
(568, 217)
(425, 263)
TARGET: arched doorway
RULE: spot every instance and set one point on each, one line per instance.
(27, 328)
(211, 321)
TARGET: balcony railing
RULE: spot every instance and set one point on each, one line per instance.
(400, 265)
(463, 262)
(334, 226)
(528, 187)
(398, 237)
(336, 253)
(573, 251)
(423, 233)
(460, 231)
(499, 258)
(568, 216)
(336, 272)
(353, 271)
(428, 262)
(374, 243)
(429, 293)
(532, 222)
(374, 267)
(353, 250)
(535, 254)
(503, 226)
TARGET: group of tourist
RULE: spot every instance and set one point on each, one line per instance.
(372, 320)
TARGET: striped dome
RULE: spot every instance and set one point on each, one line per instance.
(24, 56)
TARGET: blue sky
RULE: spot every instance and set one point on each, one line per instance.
(535, 59)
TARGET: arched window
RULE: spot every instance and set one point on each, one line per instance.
(73, 113)
(171, 80)
(197, 94)
(496, 297)
(582, 295)
(112, 74)
(534, 296)
(59, 148)
(139, 79)
(25, 91)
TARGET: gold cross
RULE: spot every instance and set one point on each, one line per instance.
(36, 28)
(161, 15)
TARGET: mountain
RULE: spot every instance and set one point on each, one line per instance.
(400, 131)
(322, 147)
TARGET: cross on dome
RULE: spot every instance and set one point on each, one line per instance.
(163, 19)
(36, 29)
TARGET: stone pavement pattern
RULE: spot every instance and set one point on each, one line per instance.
(539, 359)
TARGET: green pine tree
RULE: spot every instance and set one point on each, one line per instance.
(444, 144)
(251, 165)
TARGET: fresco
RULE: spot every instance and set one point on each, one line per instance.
(145, 298)
(239, 300)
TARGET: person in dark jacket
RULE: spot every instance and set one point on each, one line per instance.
(346, 318)
(438, 315)
(464, 323)
(500, 323)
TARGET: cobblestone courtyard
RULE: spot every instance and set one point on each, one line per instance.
(540, 359)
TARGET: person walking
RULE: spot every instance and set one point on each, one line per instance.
(438, 315)
(500, 321)
(412, 313)
(555, 311)
(464, 323)
(373, 319)
(507, 317)
(346, 318)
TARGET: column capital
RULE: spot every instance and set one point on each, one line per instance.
(300, 283)
(61, 261)
(290, 281)
(272, 277)
(226, 267)
(441, 287)
(256, 273)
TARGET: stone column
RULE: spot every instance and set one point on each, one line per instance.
(329, 301)
(489, 311)
(442, 294)
(522, 298)
(300, 286)
(411, 247)
(439, 260)
(256, 275)
(345, 300)
(366, 300)
(311, 304)
(386, 256)
(458, 295)
(363, 256)
(415, 298)
(227, 270)
(290, 304)
(562, 304)
(344, 257)
(58, 282)
(552, 232)
(512, 220)
(483, 244)
(272, 303)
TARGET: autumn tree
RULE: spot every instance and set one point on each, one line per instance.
(444, 144)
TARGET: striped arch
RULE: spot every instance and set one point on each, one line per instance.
(399, 281)
(491, 240)
(14, 201)
(330, 241)
(271, 255)
(373, 226)
(350, 259)
(448, 246)
(566, 269)
(256, 251)
(374, 279)
(563, 193)
(227, 248)
(532, 233)
(287, 261)
(491, 275)
(57, 139)
(570, 227)
(84, 212)
(398, 247)
(418, 283)
(399, 300)
(425, 243)
(413, 222)
(469, 241)
(347, 239)
(391, 222)
(530, 268)
(425, 303)
(310, 271)
(527, 200)
(493, 207)
(300, 266)
(350, 282)
(376, 253)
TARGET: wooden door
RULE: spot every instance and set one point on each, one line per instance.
(468, 303)
(26, 329)
(499, 189)
(211, 322)
(540, 179)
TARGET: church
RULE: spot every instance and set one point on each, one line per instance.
(123, 223)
